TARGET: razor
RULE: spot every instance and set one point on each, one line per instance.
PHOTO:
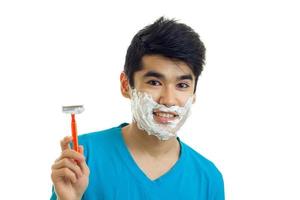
(73, 110)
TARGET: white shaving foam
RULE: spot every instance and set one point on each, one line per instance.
(142, 107)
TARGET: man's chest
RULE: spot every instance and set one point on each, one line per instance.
(154, 168)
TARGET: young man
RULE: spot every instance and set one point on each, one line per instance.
(145, 160)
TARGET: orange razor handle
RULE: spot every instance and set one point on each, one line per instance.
(74, 133)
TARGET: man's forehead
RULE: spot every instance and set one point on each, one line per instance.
(163, 67)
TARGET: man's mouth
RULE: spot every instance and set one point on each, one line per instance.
(164, 117)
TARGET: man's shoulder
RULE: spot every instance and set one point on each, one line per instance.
(102, 136)
(201, 163)
(204, 169)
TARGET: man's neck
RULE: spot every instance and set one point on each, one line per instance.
(139, 141)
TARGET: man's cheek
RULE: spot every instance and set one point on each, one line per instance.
(154, 94)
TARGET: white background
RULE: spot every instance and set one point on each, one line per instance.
(246, 118)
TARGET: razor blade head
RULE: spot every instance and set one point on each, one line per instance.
(76, 109)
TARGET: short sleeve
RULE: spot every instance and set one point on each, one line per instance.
(218, 191)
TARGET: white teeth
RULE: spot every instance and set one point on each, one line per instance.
(166, 115)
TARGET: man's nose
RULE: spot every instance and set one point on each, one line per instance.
(167, 97)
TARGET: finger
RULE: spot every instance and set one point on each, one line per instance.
(72, 154)
(65, 143)
(84, 168)
(67, 163)
(63, 173)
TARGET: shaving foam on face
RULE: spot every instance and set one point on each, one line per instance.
(142, 107)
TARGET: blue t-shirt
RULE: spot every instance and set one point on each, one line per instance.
(114, 175)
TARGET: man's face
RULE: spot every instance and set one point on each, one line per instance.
(169, 82)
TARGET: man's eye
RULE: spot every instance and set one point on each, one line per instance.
(154, 83)
(183, 85)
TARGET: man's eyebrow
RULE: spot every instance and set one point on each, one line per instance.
(154, 74)
(185, 77)
(161, 76)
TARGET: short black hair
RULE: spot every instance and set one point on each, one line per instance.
(168, 38)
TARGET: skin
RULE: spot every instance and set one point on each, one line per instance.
(70, 173)
(153, 156)
(172, 84)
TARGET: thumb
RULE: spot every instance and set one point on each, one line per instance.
(84, 167)
(81, 149)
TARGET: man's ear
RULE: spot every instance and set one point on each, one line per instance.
(124, 84)
(194, 98)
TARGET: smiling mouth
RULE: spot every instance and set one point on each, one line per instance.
(164, 117)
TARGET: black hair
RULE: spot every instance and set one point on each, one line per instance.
(168, 38)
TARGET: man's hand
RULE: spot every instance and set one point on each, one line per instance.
(70, 173)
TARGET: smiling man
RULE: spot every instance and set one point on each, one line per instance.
(146, 160)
